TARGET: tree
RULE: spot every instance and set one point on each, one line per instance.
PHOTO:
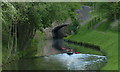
(21, 20)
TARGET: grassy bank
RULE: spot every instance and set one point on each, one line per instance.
(82, 49)
(108, 42)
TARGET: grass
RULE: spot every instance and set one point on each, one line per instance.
(108, 42)
(82, 49)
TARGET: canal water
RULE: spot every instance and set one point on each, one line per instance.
(60, 61)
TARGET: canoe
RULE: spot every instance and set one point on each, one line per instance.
(69, 53)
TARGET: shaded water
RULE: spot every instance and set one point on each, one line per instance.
(59, 62)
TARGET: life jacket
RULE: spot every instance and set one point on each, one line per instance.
(76, 52)
(71, 50)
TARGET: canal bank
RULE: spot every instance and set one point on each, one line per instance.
(108, 42)
(55, 61)
(81, 47)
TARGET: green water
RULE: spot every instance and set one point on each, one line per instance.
(59, 62)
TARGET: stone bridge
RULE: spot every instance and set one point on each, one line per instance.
(58, 33)
(57, 30)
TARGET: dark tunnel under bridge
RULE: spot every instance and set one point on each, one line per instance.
(58, 36)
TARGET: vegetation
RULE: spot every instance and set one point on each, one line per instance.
(106, 34)
(107, 42)
(82, 49)
(21, 21)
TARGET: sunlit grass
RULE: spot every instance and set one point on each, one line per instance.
(82, 49)
(108, 42)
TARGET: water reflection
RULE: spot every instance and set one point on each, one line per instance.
(60, 62)
(79, 61)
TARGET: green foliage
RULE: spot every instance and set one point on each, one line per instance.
(106, 35)
(74, 26)
(31, 50)
(43, 14)
(21, 20)
(114, 26)
(108, 42)
(108, 10)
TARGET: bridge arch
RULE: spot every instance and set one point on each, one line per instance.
(56, 31)
(57, 37)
